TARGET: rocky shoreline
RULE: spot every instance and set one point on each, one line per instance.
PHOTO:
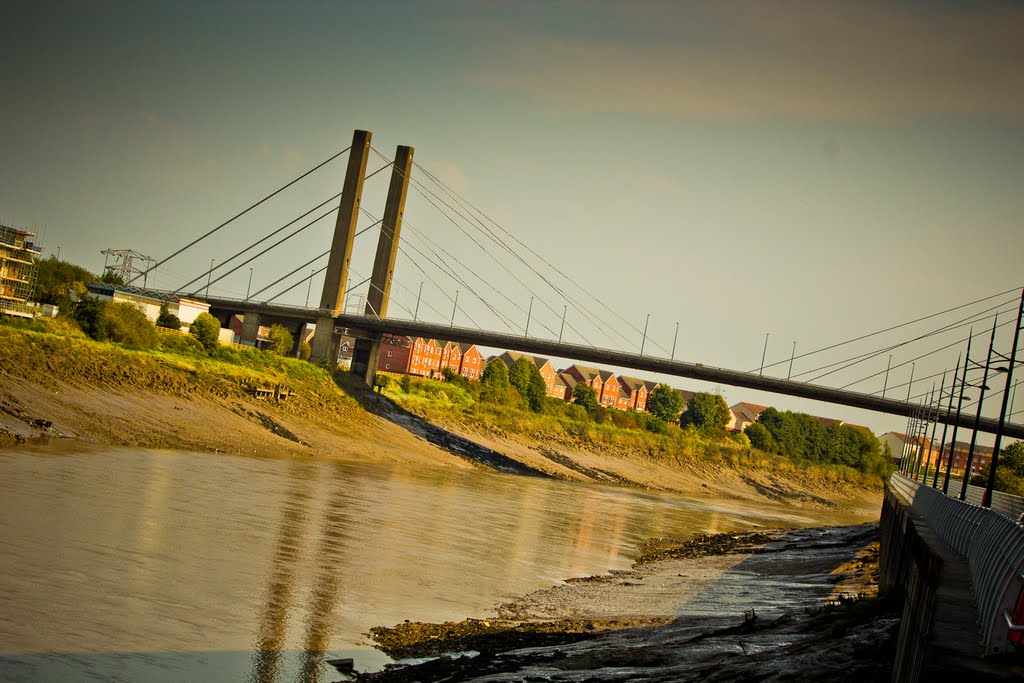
(778, 605)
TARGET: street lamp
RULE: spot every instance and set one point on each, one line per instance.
(977, 416)
(1011, 361)
(248, 286)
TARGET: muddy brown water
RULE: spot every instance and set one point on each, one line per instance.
(150, 565)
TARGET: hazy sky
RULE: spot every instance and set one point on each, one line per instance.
(810, 170)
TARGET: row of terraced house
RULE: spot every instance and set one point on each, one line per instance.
(430, 357)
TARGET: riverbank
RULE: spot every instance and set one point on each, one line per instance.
(786, 605)
(55, 386)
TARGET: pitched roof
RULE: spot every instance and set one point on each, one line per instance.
(568, 380)
(631, 384)
(585, 371)
(465, 348)
(978, 448)
(606, 375)
(752, 408)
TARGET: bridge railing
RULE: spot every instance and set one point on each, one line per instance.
(993, 545)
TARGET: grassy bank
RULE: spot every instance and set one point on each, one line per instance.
(608, 432)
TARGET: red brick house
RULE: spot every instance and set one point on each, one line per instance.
(569, 383)
(395, 353)
(586, 375)
(472, 364)
(982, 456)
(451, 357)
(426, 358)
(543, 365)
(632, 393)
(609, 389)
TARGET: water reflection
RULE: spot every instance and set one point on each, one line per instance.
(144, 565)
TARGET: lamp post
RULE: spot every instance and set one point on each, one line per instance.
(792, 355)
(986, 500)
(248, 286)
(644, 342)
(977, 416)
(935, 425)
(945, 424)
(209, 275)
(764, 353)
(529, 314)
(675, 338)
(956, 422)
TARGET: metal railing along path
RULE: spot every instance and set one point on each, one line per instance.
(990, 541)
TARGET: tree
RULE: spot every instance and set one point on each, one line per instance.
(167, 319)
(665, 403)
(123, 323)
(707, 412)
(88, 313)
(281, 340)
(584, 395)
(528, 381)
(1010, 471)
(761, 438)
(305, 351)
(206, 329)
(53, 277)
(495, 375)
(112, 278)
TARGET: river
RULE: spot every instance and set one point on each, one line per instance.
(151, 565)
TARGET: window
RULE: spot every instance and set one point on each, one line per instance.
(389, 354)
(387, 366)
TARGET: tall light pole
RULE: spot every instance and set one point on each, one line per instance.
(956, 421)
(529, 313)
(945, 424)
(675, 338)
(455, 308)
(763, 354)
(977, 416)
(248, 286)
(986, 500)
(885, 384)
(792, 355)
(209, 275)
(644, 342)
(309, 286)
(562, 328)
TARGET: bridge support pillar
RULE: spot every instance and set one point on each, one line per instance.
(325, 342)
(250, 328)
(367, 351)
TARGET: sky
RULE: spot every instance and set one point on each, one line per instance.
(803, 170)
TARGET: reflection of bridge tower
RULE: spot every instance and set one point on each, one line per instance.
(325, 340)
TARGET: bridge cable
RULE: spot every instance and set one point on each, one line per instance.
(224, 263)
(241, 213)
(890, 329)
(503, 265)
(469, 205)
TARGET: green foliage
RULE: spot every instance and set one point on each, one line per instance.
(584, 396)
(760, 438)
(1009, 472)
(54, 276)
(281, 340)
(123, 323)
(665, 403)
(495, 375)
(406, 383)
(88, 313)
(63, 326)
(455, 378)
(801, 437)
(742, 439)
(206, 329)
(183, 344)
(305, 351)
(706, 412)
(657, 426)
(167, 319)
(526, 378)
(112, 278)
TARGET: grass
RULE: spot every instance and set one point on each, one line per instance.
(613, 432)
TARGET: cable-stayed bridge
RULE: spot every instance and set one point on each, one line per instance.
(528, 273)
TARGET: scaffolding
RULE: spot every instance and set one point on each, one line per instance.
(18, 265)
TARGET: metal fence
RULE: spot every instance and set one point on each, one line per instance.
(992, 542)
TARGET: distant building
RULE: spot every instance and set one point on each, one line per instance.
(543, 365)
(472, 365)
(18, 254)
(744, 415)
(187, 310)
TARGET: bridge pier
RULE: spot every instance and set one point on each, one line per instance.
(250, 328)
(325, 342)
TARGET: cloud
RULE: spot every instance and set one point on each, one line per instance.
(844, 60)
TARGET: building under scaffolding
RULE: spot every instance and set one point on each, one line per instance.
(18, 254)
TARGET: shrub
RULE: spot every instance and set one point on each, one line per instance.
(405, 383)
(206, 329)
(167, 319)
(577, 413)
(180, 343)
(281, 340)
(125, 324)
(305, 350)
(88, 313)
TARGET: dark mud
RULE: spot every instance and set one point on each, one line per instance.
(819, 623)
